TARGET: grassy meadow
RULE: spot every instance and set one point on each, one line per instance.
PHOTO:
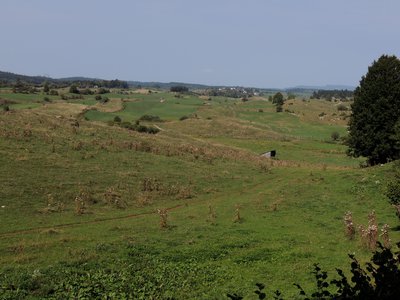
(193, 212)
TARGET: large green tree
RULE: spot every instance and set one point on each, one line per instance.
(375, 120)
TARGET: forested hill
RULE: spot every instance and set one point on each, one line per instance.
(8, 77)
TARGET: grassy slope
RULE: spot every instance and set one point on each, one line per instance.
(291, 208)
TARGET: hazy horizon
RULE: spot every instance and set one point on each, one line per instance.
(253, 43)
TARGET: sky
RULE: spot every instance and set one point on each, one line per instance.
(253, 43)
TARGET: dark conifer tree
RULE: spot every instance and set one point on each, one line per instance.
(374, 123)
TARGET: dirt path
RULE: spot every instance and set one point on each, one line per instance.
(68, 225)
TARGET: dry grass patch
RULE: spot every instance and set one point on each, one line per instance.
(113, 105)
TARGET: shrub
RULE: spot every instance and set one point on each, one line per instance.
(102, 91)
(86, 92)
(73, 89)
(393, 192)
(183, 118)
(117, 119)
(152, 130)
(335, 136)
(141, 128)
(150, 118)
(342, 107)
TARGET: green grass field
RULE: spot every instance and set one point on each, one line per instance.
(78, 205)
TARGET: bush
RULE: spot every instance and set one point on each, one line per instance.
(102, 91)
(150, 118)
(86, 92)
(117, 119)
(335, 136)
(342, 107)
(393, 192)
(183, 118)
(73, 89)
(152, 130)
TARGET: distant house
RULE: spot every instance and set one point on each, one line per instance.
(269, 154)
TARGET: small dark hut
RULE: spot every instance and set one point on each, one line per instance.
(269, 154)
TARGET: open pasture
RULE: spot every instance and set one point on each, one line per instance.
(192, 212)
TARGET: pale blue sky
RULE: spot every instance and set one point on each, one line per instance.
(261, 43)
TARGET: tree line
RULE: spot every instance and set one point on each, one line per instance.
(21, 82)
(332, 94)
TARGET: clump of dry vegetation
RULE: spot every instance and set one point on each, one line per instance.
(385, 236)
(113, 197)
(212, 216)
(163, 214)
(237, 218)
(349, 225)
(369, 234)
(53, 205)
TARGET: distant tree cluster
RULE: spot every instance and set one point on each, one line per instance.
(232, 92)
(179, 89)
(23, 88)
(24, 84)
(100, 84)
(332, 94)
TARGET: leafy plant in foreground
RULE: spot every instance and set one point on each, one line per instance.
(380, 279)
(393, 191)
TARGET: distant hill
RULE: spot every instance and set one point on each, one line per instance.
(167, 86)
(322, 88)
(11, 78)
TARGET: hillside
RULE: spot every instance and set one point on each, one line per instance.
(89, 207)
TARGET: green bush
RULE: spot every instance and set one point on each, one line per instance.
(150, 118)
(393, 192)
(342, 107)
(335, 136)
